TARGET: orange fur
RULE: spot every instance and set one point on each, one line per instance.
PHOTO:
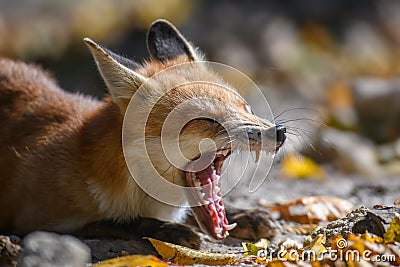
(61, 158)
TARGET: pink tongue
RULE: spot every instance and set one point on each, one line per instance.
(209, 181)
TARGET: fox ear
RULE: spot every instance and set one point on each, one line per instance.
(117, 72)
(165, 42)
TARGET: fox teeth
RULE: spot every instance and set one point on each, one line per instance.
(197, 184)
(229, 227)
(225, 152)
(202, 195)
(218, 230)
(257, 155)
(217, 188)
(218, 176)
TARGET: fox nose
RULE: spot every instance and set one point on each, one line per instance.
(278, 132)
(280, 135)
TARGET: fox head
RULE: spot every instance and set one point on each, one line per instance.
(200, 118)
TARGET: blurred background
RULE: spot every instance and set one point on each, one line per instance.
(329, 69)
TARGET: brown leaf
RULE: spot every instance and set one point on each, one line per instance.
(187, 256)
(131, 261)
(311, 209)
(303, 229)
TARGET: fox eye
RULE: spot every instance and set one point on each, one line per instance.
(248, 109)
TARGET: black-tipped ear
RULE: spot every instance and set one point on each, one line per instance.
(122, 60)
(121, 80)
(165, 42)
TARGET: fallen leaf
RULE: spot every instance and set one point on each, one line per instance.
(186, 256)
(288, 250)
(262, 243)
(304, 229)
(311, 209)
(393, 232)
(294, 166)
(131, 261)
(372, 238)
(250, 249)
(318, 244)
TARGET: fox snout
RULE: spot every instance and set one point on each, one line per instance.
(259, 135)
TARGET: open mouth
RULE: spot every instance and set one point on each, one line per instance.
(206, 191)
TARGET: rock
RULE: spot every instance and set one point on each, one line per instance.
(358, 221)
(389, 155)
(389, 151)
(111, 248)
(353, 153)
(376, 105)
(9, 250)
(43, 249)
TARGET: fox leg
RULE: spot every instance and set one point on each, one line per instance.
(252, 224)
(175, 233)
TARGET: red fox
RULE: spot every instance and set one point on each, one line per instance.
(62, 165)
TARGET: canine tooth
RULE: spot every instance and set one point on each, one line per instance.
(212, 166)
(218, 176)
(218, 230)
(202, 195)
(206, 202)
(229, 227)
(257, 155)
(197, 184)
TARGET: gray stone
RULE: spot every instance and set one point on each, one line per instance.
(43, 249)
(353, 153)
(376, 103)
(358, 221)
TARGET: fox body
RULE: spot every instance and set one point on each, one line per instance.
(62, 164)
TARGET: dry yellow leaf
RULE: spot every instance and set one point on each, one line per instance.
(393, 232)
(295, 166)
(187, 256)
(372, 238)
(131, 261)
(318, 244)
(304, 229)
(311, 209)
